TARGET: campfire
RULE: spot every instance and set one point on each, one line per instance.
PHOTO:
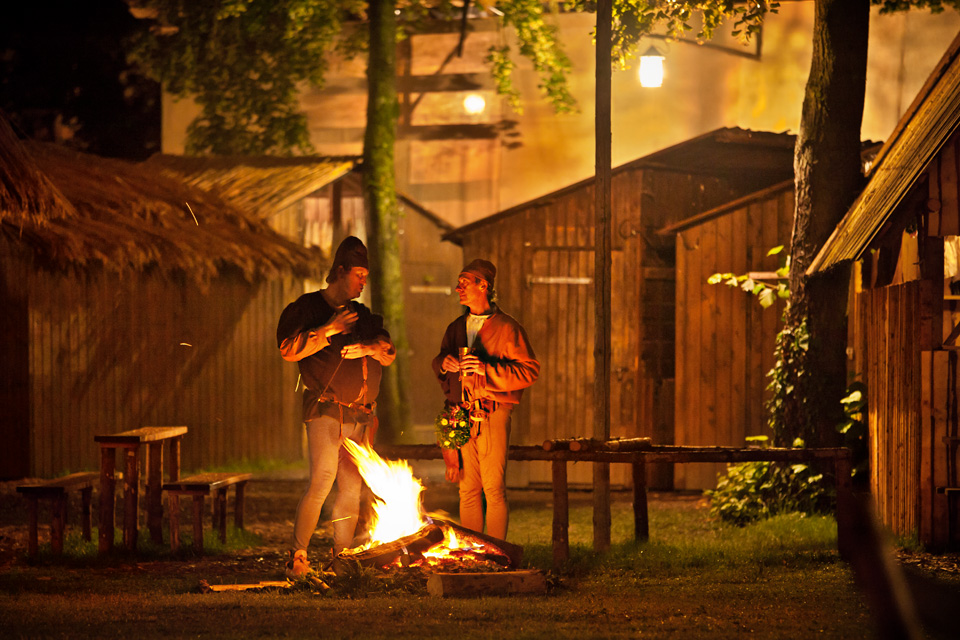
(401, 534)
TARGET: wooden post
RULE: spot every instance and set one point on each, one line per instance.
(131, 497)
(154, 491)
(85, 498)
(174, 507)
(843, 466)
(561, 513)
(222, 513)
(33, 545)
(601, 276)
(58, 523)
(641, 526)
(173, 472)
(108, 483)
(238, 505)
(198, 522)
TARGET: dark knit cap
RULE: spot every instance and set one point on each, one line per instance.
(351, 253)
(482, 269)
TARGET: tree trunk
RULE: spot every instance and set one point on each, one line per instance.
(382, 212)
(828, 178)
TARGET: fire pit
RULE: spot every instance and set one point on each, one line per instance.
(401, 535)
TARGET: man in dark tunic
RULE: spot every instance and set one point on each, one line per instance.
(340, 347)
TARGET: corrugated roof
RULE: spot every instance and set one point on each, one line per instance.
(262, 184)
(931, 119)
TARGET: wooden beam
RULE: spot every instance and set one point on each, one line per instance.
(487, 584)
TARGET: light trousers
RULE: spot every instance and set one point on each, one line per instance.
(329, 461)
(484, 474)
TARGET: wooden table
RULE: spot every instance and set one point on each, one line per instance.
(129, 442)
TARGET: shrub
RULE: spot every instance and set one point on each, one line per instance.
(754, 490)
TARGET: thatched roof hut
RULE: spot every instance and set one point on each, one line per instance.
(262, 184)
(72, 209)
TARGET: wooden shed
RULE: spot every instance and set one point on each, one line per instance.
(316, 202)
(724, 339)
(902, 236)
(132, 299)
(543, 250)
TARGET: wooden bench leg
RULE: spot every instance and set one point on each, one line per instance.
(174, 507)
(108, 483)
(198, 523)
(221, 511)
(57, 523)
(85, 496)
(154, 491)
(238, 505)
(33, 547)
(131, 498)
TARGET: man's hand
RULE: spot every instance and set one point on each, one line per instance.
(341, 322)
(472, 364)
(450, 364)
(452, 474)
(357, 350)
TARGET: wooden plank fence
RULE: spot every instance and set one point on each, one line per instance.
(559, 456)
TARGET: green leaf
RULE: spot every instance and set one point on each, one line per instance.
(715, 279)
(775, 250)
(767, 298)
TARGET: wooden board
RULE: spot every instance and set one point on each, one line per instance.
(506, 583)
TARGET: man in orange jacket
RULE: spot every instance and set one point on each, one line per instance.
(488, 382)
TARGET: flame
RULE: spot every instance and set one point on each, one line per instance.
(398, 510)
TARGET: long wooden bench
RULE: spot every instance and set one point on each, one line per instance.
(199, 487)
(56, 490)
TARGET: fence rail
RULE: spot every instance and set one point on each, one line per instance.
(558, 457)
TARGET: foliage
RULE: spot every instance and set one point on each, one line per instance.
(243, 61)
(854, 429)
(791, 345)
(755, 490)
(766, 293)
(452, 427)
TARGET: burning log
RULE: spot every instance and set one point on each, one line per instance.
(388, 552)
(511, 551)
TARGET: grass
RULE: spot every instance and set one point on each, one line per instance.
(777, 579)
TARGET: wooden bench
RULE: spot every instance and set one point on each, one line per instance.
(199, 487)
(56, 490)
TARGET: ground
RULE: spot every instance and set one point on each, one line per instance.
(792, 594)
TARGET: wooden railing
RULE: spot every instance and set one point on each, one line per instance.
(559, 453)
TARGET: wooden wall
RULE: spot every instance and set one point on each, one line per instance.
(545, 261)
(111, 353)
(724, 339)
(894, 396)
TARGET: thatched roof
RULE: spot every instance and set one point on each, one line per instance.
(262, 184)
(26, 195)
(924, 129)
(123, 215)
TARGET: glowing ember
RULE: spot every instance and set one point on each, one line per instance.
(397, 510)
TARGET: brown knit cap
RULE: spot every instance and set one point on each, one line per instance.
(351, 253)
(482, 269)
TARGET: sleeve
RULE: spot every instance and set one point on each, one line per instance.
(515, 367)
(295, 338)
